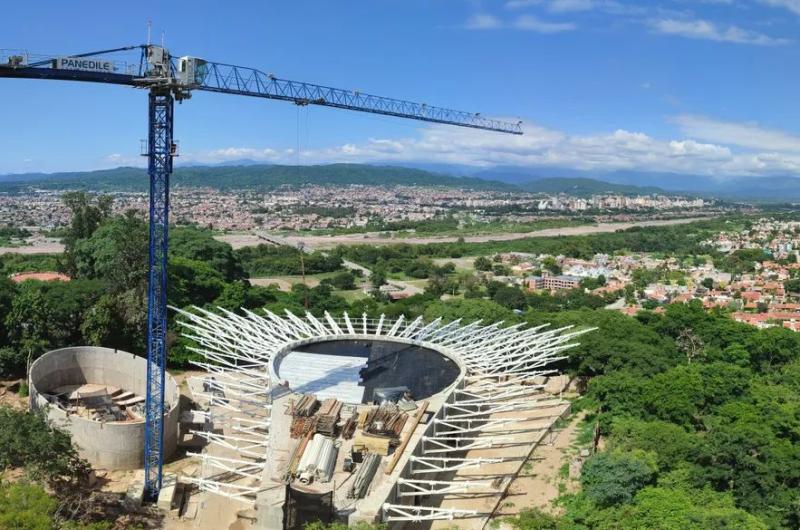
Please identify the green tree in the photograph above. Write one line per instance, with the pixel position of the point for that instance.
(535, 519)
(613, 478)
(194, 244)
(28, 441)
(378, 278)
(116, 252)
(29, 323)
(551, 265)
(344, 281)
(792, 286)
(510, 297)
(482, 263)
(85, 219)
(469, 310)
(26, 507)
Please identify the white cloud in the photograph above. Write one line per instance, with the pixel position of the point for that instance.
(483, 21)
(520, 4)
(704, 29)
(707, 147)
(531, 23)
(791, 5)
(567, 6)
(746, 135)
(523, 22)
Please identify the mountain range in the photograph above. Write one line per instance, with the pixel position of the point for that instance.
(252, 175)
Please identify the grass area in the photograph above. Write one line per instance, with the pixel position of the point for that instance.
(402, 276)
(312, 280)
(430, 228)
(479, 229)
(13, 242)
(463, 264)
(352, 296)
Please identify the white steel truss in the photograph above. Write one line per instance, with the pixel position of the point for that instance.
(243, 468)
(439, 464)
(452, 444)
(500, 362)
(414, 488)
(225, 489)
(402, 512)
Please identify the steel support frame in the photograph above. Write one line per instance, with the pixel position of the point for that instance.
(159, 168)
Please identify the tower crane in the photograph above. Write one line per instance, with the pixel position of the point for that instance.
(168, 79)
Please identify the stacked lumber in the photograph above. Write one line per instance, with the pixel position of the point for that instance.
(349, 427)
(328, 416)
(302, 425)
(363, 417)
(305, 407)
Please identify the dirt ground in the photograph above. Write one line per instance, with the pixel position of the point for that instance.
(376, 238)
(539, 483)
(36, 245)
(9, 394)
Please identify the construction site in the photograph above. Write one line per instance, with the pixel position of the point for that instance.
(346, 419)
(290, 418)
(97, 395)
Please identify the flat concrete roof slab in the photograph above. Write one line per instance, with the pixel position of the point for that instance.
(326, 376)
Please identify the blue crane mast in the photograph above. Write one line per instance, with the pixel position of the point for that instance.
(169, 79)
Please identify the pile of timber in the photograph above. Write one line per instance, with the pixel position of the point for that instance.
(386, 420)
(328, 416)
(302, 425)
(349, 427)
(305, 407)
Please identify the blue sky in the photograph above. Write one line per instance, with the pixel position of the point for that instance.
(690, 86)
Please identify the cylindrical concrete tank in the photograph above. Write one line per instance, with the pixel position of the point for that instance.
(57, 377)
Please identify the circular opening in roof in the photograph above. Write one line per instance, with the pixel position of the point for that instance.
(367, 370)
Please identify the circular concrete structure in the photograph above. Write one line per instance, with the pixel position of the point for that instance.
(364, 364)
(97, 395)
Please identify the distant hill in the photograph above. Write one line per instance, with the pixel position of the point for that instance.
(584, 187)
(251, 175)
(256, 177)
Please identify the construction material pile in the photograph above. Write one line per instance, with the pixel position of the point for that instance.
(318, 460)
(98, 402)
(364, 475)
(328, 416)
(386, 420)
(303, 418)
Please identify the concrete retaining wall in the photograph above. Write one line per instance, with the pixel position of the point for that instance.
(104, 445)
